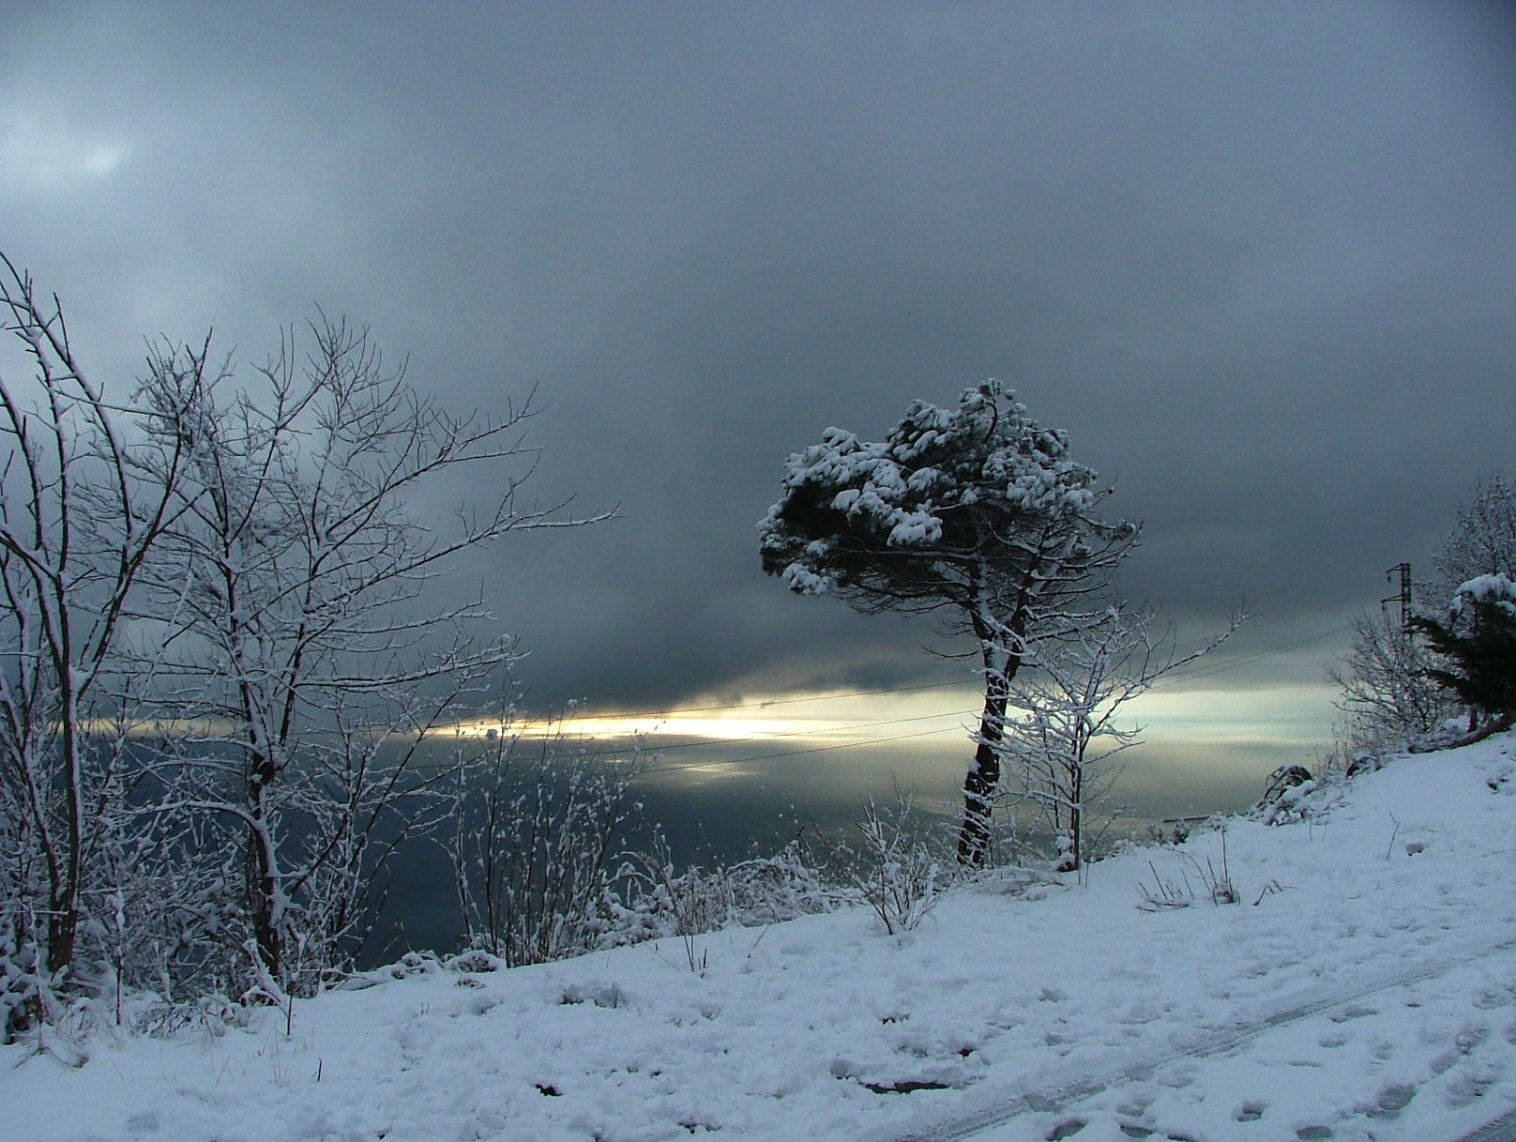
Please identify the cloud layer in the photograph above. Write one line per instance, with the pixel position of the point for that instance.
(1257, 259)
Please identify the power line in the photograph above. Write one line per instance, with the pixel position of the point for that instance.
(962, 682)
(1220, 668)
(1233, 664)
(1185, 676)
(1206, 669)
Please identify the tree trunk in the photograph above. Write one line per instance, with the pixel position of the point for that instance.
(63, 924)
(1071, 856)
(263, 886)
(261, 889)
(984, 773)
(62, 932)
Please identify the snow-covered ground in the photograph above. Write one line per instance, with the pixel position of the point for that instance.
(1361, 987)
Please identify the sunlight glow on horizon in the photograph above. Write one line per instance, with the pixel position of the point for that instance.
(1298, 714)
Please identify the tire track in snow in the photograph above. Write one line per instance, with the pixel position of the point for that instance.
(1057, 1096)
(1503, 1129)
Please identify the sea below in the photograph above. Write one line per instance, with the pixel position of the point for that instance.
(719, 803)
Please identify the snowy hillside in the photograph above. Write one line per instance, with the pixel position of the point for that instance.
(1360, 987)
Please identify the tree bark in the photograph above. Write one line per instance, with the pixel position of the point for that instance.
(984, 773)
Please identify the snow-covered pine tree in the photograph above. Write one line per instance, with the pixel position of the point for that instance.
(975, 513)
(1477, 645)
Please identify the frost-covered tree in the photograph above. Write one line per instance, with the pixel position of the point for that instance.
(307, 650)
(977, 514)
(1065, 733)
(79, 515)
(1482, 542)
(1394, 684)
(1387, 698)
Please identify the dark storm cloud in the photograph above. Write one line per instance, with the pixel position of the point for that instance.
(1257, 259)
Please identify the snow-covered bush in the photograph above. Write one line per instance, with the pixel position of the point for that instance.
(1293, 794)
(656, 900)
(899, 862)
(539, 828)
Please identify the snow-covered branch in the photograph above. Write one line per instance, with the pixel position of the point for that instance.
(1061, 744)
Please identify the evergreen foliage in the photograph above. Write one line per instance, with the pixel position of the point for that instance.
(976, 513)
(1477, 644)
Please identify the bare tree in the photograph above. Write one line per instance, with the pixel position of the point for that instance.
(1390, 691)
(80, 513)
(1060, 752)
(1482, 542)
(303, 644)
(1387, 697)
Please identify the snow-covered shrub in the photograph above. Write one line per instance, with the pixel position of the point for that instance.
(538, 829)
(768, 890)
(214, 1014)
(656, 900)
(21, 984)
(1290, 806)
(899, 864)
(1292, 794)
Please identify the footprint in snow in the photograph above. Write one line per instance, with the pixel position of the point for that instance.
(1354, 1012)
(1250, 1111)
(1392, 1100)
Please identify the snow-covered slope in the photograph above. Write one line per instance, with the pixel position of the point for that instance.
(1361, 987)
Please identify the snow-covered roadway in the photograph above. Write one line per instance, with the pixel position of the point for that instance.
(1343, 1062)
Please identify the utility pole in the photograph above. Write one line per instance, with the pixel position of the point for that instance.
(1404, 597)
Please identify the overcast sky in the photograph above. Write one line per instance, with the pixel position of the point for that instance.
(1259, 259)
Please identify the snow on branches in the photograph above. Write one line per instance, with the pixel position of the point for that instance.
(977, 513)
(943, 490)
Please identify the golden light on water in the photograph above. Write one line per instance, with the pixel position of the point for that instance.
(738, 726)
(821, 720)
(1281, 713)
